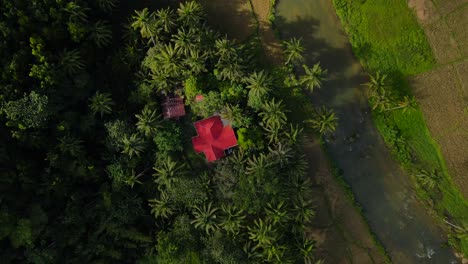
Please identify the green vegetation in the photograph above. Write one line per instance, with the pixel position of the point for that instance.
(91, 172)
(388, 41)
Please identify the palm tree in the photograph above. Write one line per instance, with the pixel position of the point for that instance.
(273, 114)
(258, 166)
(324, 121)
(190, 13)
(275, 253)
(303, 211)
(232, 219)
(225, 49)
(306, 249)
(167, 172)
(101, 103)
(195, 62)
(166, 19)
(161, 207)
(133, 145)
(252, 252)
(294, 135)
(70, 145)
(206, 218)
(234, 114)
(272, 132)
(230, 70)
(133, 179)
(377, 82)
(293, 50)
(276, 213)
(184, 40)
(259, 84)
(77, 13)
(145, 22)
(406, 104)
(148, 121)
(300, 186)
(262, 233)
(107, 5)
(101, 34)
(168, 59)
(428, 179)
(71, 61)
(313, 77)
(281, 154)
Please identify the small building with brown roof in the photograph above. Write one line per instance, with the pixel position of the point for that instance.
(173, 107)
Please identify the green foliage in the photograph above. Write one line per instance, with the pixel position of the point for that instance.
(133, 145)
(168, 139)
(313, 77)
(249, 139)
(148, 121)
(31, 111)
(210, 104)
(101, 103)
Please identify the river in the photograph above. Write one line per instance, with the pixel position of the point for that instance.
(400, 221)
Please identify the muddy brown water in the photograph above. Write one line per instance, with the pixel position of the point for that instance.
(402, 224)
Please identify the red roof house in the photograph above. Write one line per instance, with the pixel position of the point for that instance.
(173, 107)
(213, 138)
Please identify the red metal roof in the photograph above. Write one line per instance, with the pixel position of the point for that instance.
(173, 107)
(213, 138)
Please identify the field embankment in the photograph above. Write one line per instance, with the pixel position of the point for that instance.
(387, 38)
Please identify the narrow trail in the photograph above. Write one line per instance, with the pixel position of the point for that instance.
(271, 45)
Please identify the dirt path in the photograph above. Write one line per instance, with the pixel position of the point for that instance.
(271, 45)
(443, 92)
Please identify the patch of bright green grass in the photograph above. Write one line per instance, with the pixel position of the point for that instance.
(386, 38)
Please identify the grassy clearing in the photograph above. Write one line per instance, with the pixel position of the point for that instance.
(387, 38)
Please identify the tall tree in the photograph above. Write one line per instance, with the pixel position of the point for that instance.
(273, 114)
(148, 121)
(313, 77)
(324, 121)
(293, 50)
(133, 145)
(101, 103)
(206, 218)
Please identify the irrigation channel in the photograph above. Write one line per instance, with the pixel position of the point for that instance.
(401, 223)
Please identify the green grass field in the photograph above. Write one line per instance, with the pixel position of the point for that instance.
(387, 38)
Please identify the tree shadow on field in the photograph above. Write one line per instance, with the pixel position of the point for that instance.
(233, 18)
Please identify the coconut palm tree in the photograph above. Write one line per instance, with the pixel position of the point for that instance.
(275, 253)
(324, 121)
(133, 179)
(133, 145)
(167, 172)
(276, 213)
(206, 218)
(262, 233)
(406, 104)
(184, 40)
(258, 166)
(190, 13)
(300, 186)
(77, 12)
(168, 59)
(101, 34)
(303, 211)
(293, 50)
(166, 18)
(195, 62)
(161, 207)
(70, 145)
(306, 249)
(71, 61)
(313, 77)
(148, 121)
(281, 154)
(225, 49)
(232, 219)
(272, 132)
(377, 82)
(252, 252)
(230, 70)
(428, 179)
(145, 22)
(101, 103)
(273, 114)
(259, 84)
(234, 114)
(294, 134)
